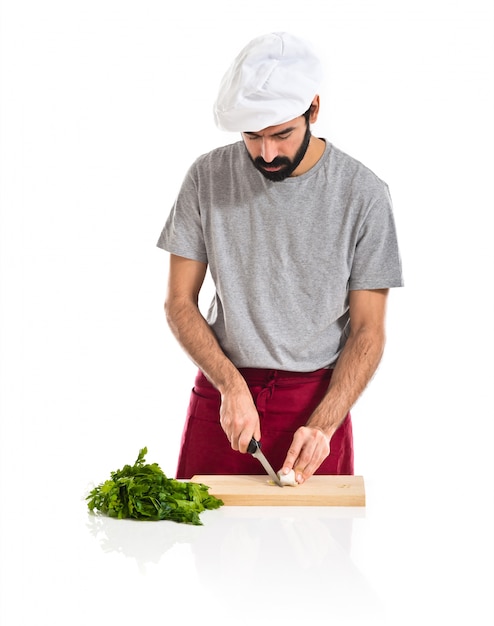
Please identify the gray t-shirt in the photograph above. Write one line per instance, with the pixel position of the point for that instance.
(283, 255)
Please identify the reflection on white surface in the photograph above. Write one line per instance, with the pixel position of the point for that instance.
(144, 542)
(278, 555)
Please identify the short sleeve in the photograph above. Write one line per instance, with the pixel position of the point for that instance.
(183, 233)
(377, 262)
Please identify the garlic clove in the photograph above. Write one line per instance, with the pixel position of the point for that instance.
(288, 480)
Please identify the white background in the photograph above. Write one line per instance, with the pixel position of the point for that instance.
(103, 107)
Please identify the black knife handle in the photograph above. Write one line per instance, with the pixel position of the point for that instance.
(253, 446)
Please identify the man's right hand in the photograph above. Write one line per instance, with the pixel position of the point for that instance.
(239, 417)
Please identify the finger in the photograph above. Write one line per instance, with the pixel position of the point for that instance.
(246, 437)
(235, 442)
(232, 438)
(304, 464)
(243, 441)
(291, 457)
(308, 467)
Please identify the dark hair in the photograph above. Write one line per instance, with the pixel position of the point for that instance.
(308, 112)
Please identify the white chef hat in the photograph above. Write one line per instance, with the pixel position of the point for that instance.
(272, 80)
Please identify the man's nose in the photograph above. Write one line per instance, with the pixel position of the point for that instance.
(269, 150)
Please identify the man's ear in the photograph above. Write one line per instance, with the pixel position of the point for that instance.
(314, 109)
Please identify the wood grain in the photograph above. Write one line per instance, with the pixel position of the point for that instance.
(257, 491)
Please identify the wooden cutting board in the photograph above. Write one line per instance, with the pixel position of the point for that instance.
(257, 491)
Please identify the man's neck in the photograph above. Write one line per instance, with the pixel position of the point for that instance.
(314, 153)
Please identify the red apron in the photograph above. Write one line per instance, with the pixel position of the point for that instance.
(284, 400)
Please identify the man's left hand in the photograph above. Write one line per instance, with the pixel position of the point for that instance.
(310, 446)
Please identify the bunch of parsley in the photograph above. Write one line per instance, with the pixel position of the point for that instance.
(143, 492)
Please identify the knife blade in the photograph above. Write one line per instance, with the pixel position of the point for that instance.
(254, 448)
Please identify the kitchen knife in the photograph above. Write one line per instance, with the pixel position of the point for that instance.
(255, 449)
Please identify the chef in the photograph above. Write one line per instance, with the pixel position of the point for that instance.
(301, 245)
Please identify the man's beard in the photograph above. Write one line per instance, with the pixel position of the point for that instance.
(288, 165)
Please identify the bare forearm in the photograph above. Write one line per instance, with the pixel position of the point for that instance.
(197, 339)
(355, 367)
(238, 415)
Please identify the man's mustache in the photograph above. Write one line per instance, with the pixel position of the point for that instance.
(276, 162)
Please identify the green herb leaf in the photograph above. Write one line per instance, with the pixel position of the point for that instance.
(143, 492)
